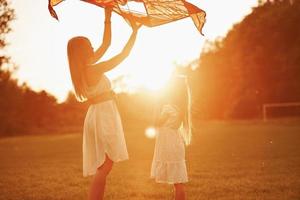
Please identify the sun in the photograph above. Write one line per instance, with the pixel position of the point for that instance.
(150, 76)
(147, 73)
(153, 80)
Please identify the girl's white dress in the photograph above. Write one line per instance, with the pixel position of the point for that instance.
(102, 131)
(168, 165)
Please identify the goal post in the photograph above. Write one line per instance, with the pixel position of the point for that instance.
(293, 108)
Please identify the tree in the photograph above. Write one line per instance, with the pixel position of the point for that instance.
(21, 108)
(257, 62)
(6, 82)
(6, 16)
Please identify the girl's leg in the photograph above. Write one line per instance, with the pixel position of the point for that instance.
(179, 191)
(98, 184)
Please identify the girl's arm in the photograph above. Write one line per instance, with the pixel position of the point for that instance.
(156, 115)
(161, 117)
(106, 41)
(161, 120)
(105, 66)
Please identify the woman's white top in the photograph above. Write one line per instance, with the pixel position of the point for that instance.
(168, 165)
(102, 132)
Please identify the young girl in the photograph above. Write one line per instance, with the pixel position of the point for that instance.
(103, 137)
(173, 130)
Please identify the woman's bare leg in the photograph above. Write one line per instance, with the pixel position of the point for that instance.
(179, 191)
(98, 184)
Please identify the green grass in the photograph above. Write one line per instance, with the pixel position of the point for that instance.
(225, 161)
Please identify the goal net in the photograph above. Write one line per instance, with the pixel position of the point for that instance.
(281, 110)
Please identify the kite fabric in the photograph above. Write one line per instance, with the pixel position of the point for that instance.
(148, 12)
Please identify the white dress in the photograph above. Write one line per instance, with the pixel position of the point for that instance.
(102, 131)
(168, 165)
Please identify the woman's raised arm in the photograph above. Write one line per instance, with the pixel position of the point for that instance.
(105, 66)
(106, 41)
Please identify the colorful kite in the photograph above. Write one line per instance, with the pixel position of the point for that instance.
(149, 12)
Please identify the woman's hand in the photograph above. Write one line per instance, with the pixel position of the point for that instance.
(108, 11)
(134, 25)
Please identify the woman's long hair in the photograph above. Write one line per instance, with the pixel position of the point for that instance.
(79, 50)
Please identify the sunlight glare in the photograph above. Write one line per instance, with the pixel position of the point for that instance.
(152, 75)
(150, 132)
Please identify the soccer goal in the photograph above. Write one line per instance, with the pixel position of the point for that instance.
(281, 110)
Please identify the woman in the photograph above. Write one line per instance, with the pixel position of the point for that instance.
(103, 137)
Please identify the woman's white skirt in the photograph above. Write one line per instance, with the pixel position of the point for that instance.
(168, 165)
(102, 135)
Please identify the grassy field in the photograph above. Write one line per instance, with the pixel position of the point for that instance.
(225, 161)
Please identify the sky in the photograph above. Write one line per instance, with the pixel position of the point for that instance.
(37, 44)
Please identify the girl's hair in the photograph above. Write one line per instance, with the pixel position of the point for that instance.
(79, 51)
(186, 128)
(180, 95)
